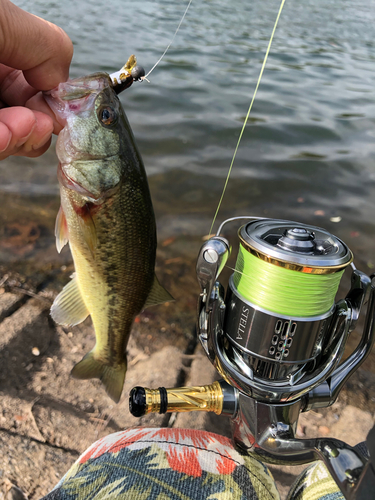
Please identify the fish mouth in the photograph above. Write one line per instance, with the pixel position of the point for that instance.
(76, 96)
(76, 101)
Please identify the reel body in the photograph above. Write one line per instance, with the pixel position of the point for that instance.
(277, 337)
(267, 354)
(282, 364)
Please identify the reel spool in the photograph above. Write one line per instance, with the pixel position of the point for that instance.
(280, 299)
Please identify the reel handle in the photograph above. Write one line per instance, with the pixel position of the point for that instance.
(218, 397)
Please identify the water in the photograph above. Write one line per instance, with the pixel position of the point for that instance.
(308, 152)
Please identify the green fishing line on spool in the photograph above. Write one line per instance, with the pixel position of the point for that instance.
(284, 291)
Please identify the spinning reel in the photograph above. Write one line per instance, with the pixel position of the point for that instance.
(276, 338)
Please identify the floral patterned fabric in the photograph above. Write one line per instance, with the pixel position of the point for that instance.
(180, 464)
(165, 464)
(315, 483)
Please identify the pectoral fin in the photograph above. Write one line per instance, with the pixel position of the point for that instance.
(68, 308)
(158, 294)
(61, 230)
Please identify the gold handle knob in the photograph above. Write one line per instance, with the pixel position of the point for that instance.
(198, 398)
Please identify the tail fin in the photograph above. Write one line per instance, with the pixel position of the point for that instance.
(111, 377)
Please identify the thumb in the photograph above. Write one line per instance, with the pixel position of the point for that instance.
(40, 49)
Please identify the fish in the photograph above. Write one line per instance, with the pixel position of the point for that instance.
(107, 217)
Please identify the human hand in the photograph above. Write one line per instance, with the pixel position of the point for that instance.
(34, 55)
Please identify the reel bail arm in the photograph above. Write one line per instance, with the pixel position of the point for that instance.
(211, 261)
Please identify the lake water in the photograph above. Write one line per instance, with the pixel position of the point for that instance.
(308, 152)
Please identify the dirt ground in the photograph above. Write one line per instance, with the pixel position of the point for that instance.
(47, 418)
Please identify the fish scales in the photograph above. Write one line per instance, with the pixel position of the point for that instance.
(107, 216)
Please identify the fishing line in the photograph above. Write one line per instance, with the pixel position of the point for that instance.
(284, 291)
(248, 113)
(170, 43)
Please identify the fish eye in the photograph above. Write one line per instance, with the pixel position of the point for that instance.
(107, 115)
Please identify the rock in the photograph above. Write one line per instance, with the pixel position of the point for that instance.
(9, 491)
(84, 407)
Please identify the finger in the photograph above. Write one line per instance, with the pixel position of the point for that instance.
(38, 103)
(20, 122)
(17, 124)
(34, 152)
(24, 132)
(40, 49)
(14, 89)
(40, 134)
(5, 137)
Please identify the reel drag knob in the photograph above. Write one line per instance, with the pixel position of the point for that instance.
(298, 239)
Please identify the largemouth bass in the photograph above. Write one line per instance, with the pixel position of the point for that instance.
(107, 216)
